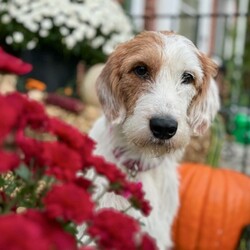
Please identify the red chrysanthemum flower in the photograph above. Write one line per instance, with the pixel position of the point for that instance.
(119, 184)
(113, 230)
(8, 161)
(52, 231)
(12, 64)
(83, 182)
(18, 233)
(34, 115)
(108, 170)
(62, 161)
(30, 113)
(87, 248)
(17, 101)
(147, 243)
(32, 150)
(8, 117)
(69, 202)
(73, 138)
(134, 193)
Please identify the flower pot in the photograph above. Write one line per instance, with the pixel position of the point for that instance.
(50, 67)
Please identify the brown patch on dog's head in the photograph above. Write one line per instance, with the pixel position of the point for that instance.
(118, 87)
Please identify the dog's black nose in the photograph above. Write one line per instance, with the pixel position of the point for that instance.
(163, 127)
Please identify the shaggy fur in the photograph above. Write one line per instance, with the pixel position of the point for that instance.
(129, 101)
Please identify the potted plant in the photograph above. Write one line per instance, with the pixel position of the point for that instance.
(70, 30)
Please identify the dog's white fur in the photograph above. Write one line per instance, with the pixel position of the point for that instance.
(129, 102)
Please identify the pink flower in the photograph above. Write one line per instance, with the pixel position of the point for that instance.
(69, 202)
(8, 161)
(114, 230)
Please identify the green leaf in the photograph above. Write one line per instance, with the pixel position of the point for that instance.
(2, 182)
(24, 173)
(70, 228)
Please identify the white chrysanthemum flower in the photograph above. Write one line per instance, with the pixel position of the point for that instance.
(37, 16)
(13, 11)
(46, 24)
(101, 22)
(3, 7)
(85, 15)
(64, 31)
(6, 19)
(23, 2)
(33, 27)
(70, 42)
(72, 23)
(78, 35)
(106, 29)
(108, 48)
(90, 33)
(31, 45)
(9, 40)
(24, 8)
(95, 19)
(98, 42)
(43, 33)
(60, 19)
(18, 37)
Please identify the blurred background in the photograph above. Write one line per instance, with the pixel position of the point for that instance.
(67, 42)
(54, 50)
(220, 28)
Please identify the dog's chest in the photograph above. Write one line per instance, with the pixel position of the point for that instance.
(160, 185)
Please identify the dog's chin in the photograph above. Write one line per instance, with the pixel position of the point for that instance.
(158, 148)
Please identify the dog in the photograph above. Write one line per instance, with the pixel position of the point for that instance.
(156, 90)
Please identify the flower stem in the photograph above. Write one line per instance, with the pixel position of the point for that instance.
(104, 191)
(127, 209)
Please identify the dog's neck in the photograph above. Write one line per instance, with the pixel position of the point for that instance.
(112, 144)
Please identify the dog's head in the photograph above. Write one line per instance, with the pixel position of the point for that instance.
(159, 89)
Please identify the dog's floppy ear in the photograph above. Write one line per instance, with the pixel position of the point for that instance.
(108, 91)
(206, 103)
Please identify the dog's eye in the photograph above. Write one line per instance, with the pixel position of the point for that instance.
(187, 78)
(141, 71)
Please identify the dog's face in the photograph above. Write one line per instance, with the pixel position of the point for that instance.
(158, 88)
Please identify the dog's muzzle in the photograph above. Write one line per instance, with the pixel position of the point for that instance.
(163, 128)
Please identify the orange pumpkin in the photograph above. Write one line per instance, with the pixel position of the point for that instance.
(215, 207)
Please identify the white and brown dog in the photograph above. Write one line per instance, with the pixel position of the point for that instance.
(156, 90)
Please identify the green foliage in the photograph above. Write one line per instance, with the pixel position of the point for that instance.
(244, 243)
(217, 139)
(23, 188)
